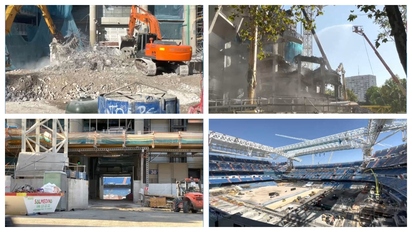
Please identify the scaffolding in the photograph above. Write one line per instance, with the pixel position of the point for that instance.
(199, 29)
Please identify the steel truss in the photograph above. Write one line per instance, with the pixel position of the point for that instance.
(362, 138)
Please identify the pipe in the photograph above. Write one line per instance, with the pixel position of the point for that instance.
(92, 25)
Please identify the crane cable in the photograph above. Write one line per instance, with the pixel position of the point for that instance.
(366, 49)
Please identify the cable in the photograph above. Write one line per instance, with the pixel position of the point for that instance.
(364, 43)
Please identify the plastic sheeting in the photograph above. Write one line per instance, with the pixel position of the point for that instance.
(34, 51)
(292, 49)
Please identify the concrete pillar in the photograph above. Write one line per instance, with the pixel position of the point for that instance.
(75, 125)
(192, 28)
(92, 25)
(186, 26)
(139, 126)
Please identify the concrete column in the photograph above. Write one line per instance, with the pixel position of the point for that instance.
(186, 26)
(75, 125)
(92, 25)
(139, 126)
(192, 28)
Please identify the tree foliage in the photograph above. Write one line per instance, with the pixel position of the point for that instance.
(351, 95)
(272, 21)
(387, 95)
(392, 22)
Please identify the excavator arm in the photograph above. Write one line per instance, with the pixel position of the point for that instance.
(13, 10)
(146, 18)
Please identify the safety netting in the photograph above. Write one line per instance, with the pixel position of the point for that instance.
(153, 139)
(29, 51)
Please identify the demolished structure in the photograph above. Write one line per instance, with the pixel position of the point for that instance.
(286, 83)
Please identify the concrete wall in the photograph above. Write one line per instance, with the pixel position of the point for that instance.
(78, 194)
(137, 184)
(170, 172)
(35, 183)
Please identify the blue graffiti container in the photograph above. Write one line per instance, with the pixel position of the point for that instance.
(138, 104)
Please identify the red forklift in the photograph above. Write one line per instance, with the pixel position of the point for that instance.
(189, 196)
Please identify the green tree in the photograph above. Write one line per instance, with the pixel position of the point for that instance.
(351, 95)
(388, 95)
(393, 96)
(392, 21)
(270, 22)
(373, 96)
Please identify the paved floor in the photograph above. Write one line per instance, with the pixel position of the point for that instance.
(112, 214)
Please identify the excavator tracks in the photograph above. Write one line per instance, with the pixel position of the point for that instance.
(146, 66)
(182, 70)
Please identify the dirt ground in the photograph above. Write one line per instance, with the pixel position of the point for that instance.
(260, 196)
(112, 214)
(49, 89)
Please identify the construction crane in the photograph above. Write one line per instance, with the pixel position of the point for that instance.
(359, 30)
(342, 71)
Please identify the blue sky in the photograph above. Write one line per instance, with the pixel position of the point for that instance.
(341, 45)
(263, 131)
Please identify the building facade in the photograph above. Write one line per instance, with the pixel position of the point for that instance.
(175, 152)
(360, 84)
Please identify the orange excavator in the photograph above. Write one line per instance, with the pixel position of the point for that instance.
(148, 48)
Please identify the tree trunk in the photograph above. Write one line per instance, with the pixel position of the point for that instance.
(398, 32)
(251, 75)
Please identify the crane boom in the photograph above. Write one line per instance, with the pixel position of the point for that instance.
(359, 30)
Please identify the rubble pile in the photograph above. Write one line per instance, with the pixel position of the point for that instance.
(92, 73)
(100, 58)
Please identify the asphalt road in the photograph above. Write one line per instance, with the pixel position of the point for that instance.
(111, 214)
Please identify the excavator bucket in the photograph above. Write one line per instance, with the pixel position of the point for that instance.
(126, 45)
(126, 41)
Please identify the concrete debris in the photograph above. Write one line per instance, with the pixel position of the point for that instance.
(95, 72)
